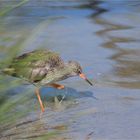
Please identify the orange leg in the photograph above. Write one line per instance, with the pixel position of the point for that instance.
(39, 99)
(57, 86)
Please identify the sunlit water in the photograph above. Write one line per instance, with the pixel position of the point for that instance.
(104, 38)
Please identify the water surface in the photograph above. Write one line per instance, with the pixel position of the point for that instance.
(104, 37)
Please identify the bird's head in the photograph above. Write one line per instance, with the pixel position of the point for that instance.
(76, 70)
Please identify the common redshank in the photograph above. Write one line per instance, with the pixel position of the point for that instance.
(43, 68)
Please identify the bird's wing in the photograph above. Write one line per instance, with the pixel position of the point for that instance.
(35, 65)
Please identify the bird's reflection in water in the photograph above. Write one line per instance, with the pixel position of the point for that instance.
(70, 93)
(65, 98)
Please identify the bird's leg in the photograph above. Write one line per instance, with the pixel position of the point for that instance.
(57, 86)
(39, 99)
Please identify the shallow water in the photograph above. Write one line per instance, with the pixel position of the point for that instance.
(104, 37)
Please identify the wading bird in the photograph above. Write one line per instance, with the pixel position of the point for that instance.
(43, 68)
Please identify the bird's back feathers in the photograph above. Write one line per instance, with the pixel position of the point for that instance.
(34, 65)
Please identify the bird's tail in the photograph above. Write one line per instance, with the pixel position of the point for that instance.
(4, 70)
(8, 71)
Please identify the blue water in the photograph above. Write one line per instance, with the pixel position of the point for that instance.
(103, 36)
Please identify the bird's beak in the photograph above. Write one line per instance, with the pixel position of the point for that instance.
(85, 78)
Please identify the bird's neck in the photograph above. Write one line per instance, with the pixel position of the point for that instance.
(64, 71)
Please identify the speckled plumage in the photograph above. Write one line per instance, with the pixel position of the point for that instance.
(35, 65)
(41, 67)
